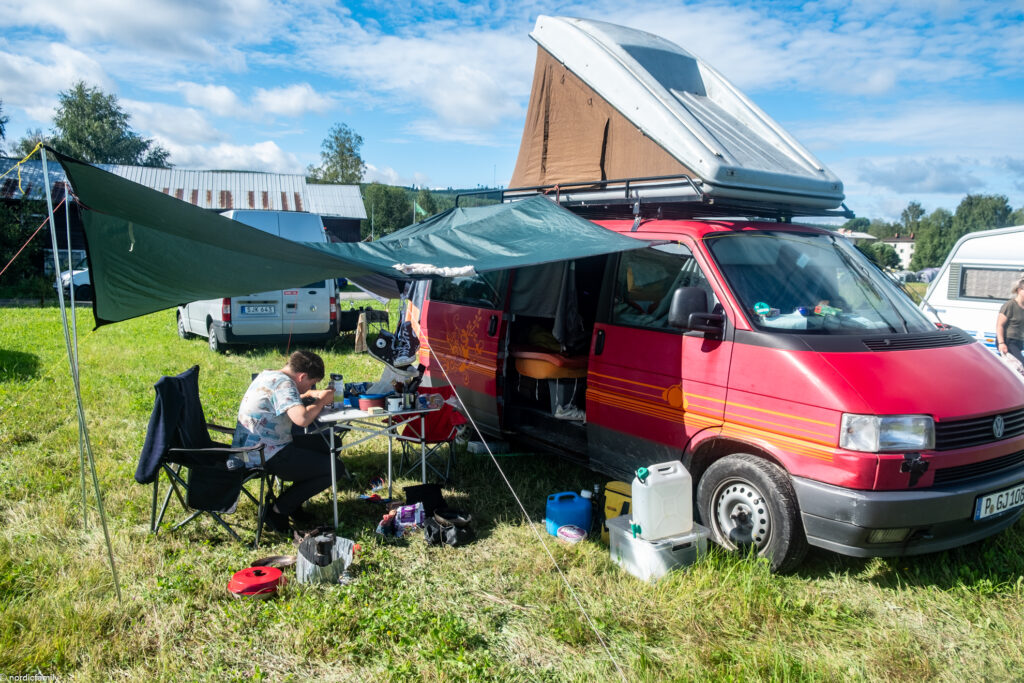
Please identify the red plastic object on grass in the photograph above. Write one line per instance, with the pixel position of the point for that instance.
(259, 582)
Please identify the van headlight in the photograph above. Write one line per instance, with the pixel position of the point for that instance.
(878, 433)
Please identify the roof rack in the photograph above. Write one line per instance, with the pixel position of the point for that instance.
(670, 196)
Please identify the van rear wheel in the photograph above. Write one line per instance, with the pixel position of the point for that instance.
(212, 337)
(181, 328)
(749, 503)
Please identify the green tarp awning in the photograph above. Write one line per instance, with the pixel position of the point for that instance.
(148, 251)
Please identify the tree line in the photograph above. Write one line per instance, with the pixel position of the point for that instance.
(935, 233)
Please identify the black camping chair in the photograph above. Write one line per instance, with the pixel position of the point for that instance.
(215, 475)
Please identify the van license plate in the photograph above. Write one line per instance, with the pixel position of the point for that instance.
(1000, 501)
(259, 310)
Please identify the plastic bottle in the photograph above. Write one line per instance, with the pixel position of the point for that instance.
(662, 501)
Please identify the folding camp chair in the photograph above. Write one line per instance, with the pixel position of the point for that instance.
(206, 477)
(440, 428)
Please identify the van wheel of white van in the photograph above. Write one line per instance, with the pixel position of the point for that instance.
(212, 336)
(181, 328)
(749, 503)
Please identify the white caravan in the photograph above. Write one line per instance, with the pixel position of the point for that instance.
(976, 280)
(301, 314)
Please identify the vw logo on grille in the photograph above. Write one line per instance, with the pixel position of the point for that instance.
(998, 427)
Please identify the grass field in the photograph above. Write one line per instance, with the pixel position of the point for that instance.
(496, 609)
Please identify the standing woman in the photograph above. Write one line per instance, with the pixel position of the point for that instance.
(1010, 324)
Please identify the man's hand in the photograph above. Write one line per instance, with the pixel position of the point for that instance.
(323, 396)
(303, 416)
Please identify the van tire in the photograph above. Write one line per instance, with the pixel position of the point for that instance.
(83, 293)
(181, 328)
(747, 501)
(212, 339)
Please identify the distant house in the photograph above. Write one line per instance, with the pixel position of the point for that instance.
(904, 247)
(340, 206)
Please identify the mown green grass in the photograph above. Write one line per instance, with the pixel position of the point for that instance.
(496, 609)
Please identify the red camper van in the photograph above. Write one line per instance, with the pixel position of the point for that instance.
(810, 399)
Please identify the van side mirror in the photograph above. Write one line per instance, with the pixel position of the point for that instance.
(689, 311)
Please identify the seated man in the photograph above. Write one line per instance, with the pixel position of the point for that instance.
(271, 405)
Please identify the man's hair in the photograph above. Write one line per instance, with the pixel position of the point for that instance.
(307, 362)
(1019, 286)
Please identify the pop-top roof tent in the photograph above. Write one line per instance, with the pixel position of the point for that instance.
(610, 102)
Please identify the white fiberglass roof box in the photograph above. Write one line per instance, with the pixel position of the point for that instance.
(649, 90)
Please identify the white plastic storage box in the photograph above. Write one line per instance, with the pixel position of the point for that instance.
(649, 560)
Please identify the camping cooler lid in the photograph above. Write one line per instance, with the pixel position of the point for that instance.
(256, 581)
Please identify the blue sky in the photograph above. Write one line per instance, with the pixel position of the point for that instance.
(908, 100)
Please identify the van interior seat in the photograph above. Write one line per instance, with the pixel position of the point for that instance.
(539, 363)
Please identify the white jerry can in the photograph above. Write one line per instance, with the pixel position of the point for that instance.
(662, 501)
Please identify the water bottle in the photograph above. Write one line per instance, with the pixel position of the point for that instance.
(337, 384)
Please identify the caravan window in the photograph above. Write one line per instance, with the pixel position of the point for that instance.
(481, 290)
(646, 279)
(988, 283)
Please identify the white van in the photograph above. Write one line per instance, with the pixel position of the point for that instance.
(301, 314)
(976, 280)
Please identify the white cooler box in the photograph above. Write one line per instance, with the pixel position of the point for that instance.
(649, 560)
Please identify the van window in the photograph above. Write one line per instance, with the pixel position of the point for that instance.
(315, 285)
(987, 283)
(480, 289)
(811, 283)
(646, 279)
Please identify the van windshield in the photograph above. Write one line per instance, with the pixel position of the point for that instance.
(811, 283)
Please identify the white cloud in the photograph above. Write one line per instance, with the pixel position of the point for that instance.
(292, 100)
(470, 79)
(32, 83)
(218, 99)
(190, 30)
(976, 128)
(181, 124)
(923, 176)
(385, 175)
(261, 156)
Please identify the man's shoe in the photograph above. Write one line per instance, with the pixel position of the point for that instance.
(276, 521)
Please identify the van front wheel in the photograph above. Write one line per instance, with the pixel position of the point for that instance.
(749, 503)
(212, 336)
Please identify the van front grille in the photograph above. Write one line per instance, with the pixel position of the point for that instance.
(911, 342)
(977, 431)
(950, 475)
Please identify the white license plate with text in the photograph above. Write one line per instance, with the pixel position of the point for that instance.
(1000, 501)
(259, 310)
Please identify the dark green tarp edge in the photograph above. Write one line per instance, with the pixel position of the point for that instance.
(148, 251)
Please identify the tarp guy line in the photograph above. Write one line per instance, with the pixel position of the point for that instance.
(533, 526)
(72, 362)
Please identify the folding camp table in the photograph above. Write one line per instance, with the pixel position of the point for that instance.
(370, 425)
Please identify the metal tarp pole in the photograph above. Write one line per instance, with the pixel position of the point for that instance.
(73, 364)
(74, 335)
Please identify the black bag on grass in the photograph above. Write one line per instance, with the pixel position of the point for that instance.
(448, 527)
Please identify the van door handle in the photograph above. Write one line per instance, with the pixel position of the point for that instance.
(599, 343)
(492, 326)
